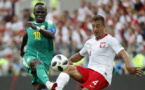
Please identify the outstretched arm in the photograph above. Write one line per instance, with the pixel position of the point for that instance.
(131, 69)
(24, 42)
(75, 58)
(45, 33)
(78, 56)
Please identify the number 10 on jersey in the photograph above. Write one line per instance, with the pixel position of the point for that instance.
(37, 35)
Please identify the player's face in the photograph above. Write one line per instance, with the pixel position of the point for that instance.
(40, 13)
(98, 28)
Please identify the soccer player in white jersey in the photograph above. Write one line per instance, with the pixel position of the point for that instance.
(102, 50)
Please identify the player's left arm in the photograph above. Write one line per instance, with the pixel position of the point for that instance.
(24, 42)
(75, 58)
(78, 56)
(46, 33)
(118, 49)
(133, 70)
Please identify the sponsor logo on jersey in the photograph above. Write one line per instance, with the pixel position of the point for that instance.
(42, 27)
(102, 44)
(45, 75)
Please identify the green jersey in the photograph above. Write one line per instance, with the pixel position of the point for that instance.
(37, 44)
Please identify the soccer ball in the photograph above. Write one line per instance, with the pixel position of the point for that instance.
(59, 63)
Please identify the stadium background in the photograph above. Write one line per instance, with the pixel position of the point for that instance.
(125, 20)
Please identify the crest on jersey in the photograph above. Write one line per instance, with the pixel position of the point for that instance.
(102, 44)
(42, 27)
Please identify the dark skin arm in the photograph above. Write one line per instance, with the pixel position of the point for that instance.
(24, 42)
(131, 69)
(45, 33)
(75, 58)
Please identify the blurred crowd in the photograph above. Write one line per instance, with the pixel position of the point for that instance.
(125, 20)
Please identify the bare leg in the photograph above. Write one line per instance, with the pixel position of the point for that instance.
(73, 72)
(85, 88)
(38, 86)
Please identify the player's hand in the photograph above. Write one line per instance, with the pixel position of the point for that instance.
(22, 53)
(135, 70)
(30, 25)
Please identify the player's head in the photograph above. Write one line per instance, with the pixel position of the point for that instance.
(98, 25)
(40, 12)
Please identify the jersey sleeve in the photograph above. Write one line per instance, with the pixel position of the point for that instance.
(51, 26)
(115, 45)
(83, 51)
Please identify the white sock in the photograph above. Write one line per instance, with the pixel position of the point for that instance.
(62, 79)
(48, 84)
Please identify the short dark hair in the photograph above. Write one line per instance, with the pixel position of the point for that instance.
(99, 17)
(39, 4)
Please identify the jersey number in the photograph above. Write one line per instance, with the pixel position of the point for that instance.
(37, 35)
(95, 82)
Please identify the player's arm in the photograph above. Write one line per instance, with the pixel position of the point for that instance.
(75, 58)
(24, 42)
(78, 56)
(118, 49)
(46, 33)
(131, 69)
(125, 57)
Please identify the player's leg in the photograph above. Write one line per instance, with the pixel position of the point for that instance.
(91, 79)
(35, 86)
(38, 86)
(38, 68)
(63, 77)
(85, 88)
(73, 72)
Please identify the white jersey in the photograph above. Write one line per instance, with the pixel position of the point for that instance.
(102, 53)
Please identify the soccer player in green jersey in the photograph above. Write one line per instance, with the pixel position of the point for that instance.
(38, 39)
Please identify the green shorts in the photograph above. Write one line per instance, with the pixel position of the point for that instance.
(26, 65)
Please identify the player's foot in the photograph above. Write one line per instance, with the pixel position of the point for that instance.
(52, 86)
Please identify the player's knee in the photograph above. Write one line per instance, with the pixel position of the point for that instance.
(70, 70)
(33, 64)
(38, 67)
